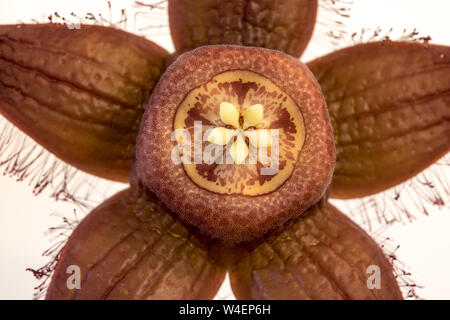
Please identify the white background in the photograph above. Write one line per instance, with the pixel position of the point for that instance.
(24, 219)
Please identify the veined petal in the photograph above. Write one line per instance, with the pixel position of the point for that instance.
(320, 255)
(131, 247)
(79, 93)
(274, 24)
(221, 135)
(389, 104)
(253, 115)
(229, 114)
(239, 150)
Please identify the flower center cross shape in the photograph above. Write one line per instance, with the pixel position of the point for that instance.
(243, 127)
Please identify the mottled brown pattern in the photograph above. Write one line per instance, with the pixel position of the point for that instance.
(79, 93)
(205, 108)
(131, 247)
(390, 102)
(320, 255)
(235, 217)
(274, 24)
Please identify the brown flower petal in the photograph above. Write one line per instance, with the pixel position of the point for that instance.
(130, 247)
(274, 24)
(79, 93)
(390, 104)
(320, 255)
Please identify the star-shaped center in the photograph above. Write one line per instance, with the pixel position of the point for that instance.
(244, 127)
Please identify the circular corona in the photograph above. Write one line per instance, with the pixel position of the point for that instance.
(236, 140)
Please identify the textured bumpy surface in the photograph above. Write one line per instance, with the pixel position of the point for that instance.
(320, 255)
(273, 24)
(389, 103)
(131, 248)
(235, 217)
(79, 93)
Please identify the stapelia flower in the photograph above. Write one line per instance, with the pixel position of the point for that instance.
(108, 102)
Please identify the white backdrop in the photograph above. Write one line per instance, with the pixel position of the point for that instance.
(24, 218)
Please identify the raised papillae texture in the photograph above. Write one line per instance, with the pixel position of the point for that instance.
(320, 255)
(274, 24)
(389, 105)
(79, 93)
(245, 99)
(130, 247)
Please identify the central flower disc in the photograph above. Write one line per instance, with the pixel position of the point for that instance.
(236, 140)
(237, 94)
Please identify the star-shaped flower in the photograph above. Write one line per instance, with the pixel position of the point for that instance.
(106, 102)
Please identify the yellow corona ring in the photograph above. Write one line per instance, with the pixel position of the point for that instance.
(251, 125)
